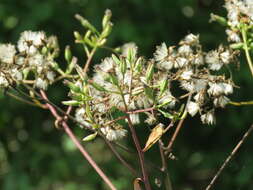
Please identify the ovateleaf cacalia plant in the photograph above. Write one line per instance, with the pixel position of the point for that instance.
(109, 97)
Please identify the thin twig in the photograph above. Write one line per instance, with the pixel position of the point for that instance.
(232, 154)
(128, 166)
(241, 103)
(145, 178)
(141, 110)
(77, 143)
(179, 126)
(173, 138)
(22, 99)
(88, 62)
(164, 168)
(140, 154)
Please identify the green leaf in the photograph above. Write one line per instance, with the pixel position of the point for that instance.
(116, 59)
(150, 72)
(72, 86)
(113, 79)
(166, 114)
(163, 86)
(149, 92)
(98, 87)
(71, 103)
(90, 137)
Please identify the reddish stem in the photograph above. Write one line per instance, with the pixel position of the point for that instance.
(77, 143)
(140, 154)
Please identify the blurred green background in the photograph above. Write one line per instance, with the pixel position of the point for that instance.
(36, 156)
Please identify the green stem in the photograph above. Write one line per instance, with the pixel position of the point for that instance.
(22, 100)
(88, 62)
(246, 49)
(247, 103)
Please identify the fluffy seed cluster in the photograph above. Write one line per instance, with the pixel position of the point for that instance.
(195, 70)
(32, 57)
(128, 83)
(239, 11)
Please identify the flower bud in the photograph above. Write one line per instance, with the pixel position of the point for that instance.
(85, 23)
(107, 17)
(68, 54)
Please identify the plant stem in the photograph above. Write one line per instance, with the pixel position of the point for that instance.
(23, 100)
(140, 154)
(173, 138)
(241, 103)
(141, 110)
(232, 154)
(246, 49)
(88, 62)
(77, 143)
(137, 145)
(164, 168)
(128, 166)
(180, 124)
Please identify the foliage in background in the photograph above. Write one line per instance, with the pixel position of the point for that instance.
(33, 155)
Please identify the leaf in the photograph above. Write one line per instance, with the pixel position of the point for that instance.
(71, 103)
(113, 79)
(150, 71)
(163, 86)
(72, 86)
(98, 87)
(154, 136)
(149, 92)
(90, 137)
(116, 59)
(166, 114)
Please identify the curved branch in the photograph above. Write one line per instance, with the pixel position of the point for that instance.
(77, 143)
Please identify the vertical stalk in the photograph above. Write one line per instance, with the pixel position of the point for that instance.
(246, 49)
(140, 154)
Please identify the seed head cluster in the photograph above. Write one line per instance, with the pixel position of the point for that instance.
(238, 11)
(32, 58)
(127, 83)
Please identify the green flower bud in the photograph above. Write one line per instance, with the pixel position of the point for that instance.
(107, 30)
(219, 19)
(85, 23)
(77, 35)
(68, 54)
(107, 17)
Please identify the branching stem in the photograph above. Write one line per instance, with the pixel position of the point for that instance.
(77, 143)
